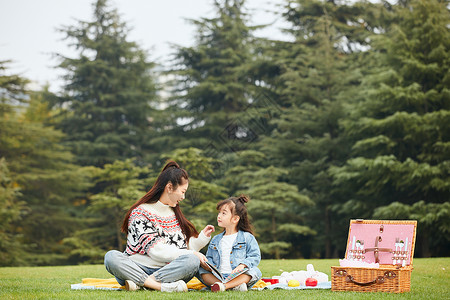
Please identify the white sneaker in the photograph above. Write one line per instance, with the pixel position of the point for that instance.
(131, 286)
(241, 288)
(218, 287)
(177, 286)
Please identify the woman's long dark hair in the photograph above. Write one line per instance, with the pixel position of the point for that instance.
(238, 208)
(170, 173)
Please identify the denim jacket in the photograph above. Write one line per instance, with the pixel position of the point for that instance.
(245, 250)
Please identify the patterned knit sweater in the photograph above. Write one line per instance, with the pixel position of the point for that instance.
(155, 238)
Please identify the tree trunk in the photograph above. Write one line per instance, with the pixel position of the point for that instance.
(274, 235)
(118, 231)
(425, 246)
(119, 241)
(327, 233)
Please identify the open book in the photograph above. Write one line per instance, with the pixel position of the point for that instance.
(219, 275)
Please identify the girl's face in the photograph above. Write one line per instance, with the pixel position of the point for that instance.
(178, 194)
(225, 218)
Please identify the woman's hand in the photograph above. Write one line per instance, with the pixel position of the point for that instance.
(203, 260)
(208, 230)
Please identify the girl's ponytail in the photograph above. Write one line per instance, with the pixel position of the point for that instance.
(244, 199)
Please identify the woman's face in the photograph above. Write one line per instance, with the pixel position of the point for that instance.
(175, 196)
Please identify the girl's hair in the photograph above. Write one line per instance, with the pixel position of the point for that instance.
(170, 173)
(238, 208)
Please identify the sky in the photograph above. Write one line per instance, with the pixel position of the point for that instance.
(29, 30)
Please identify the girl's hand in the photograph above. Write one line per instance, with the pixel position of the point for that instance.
(208, 230)
(239, 268)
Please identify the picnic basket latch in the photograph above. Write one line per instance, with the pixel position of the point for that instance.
(376, 250)
(378, 280)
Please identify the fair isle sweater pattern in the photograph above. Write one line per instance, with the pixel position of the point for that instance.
(147, 229)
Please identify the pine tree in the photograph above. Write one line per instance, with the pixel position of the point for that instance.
(317, 73)
(11, 248)
(42, 169)
(12, 96)
(109, 89)
(401, 127)
(121, 184)
(215, 83)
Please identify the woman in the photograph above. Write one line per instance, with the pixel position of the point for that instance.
(162, 250)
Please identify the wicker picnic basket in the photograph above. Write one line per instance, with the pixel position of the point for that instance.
(388, 243)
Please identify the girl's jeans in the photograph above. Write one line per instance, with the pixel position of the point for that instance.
(123, 268)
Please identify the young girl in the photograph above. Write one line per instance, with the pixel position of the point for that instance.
(234, 249)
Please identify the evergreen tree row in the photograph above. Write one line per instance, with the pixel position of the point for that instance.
(348, 118)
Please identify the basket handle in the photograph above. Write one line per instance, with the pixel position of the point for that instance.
(378, 280)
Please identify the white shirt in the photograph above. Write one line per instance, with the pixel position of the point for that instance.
(226, 243)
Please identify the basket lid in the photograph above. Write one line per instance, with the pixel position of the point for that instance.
(381, 241)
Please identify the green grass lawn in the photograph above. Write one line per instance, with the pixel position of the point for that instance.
(430, 280)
